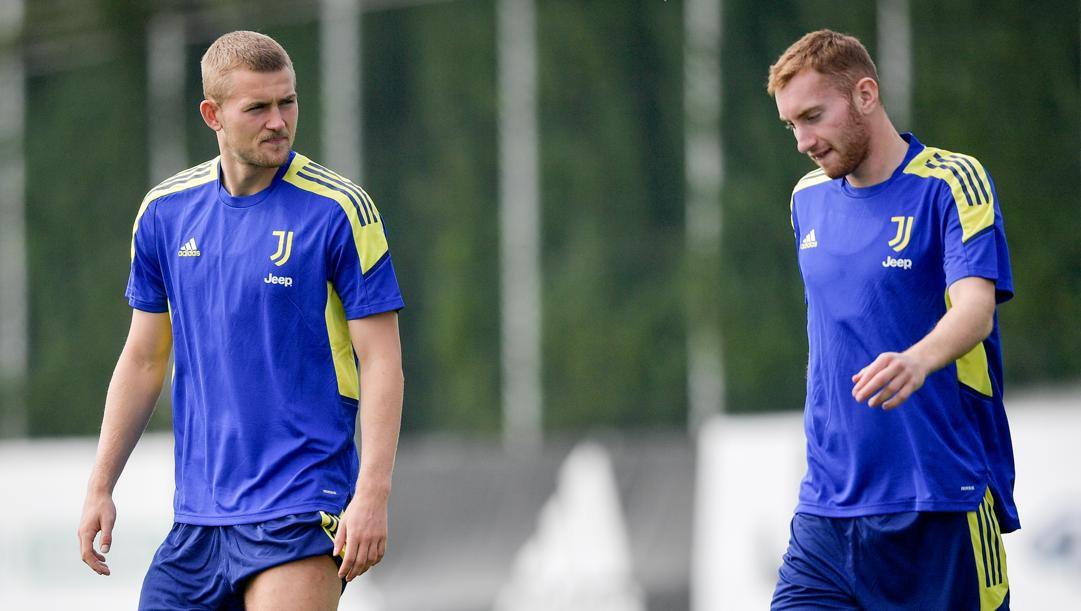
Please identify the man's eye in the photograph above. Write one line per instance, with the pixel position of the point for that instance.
(789, 126)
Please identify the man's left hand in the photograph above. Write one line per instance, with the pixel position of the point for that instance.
(889, 380)
(362, 534)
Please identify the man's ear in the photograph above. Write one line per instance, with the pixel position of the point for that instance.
(210, 111)
(865, 96)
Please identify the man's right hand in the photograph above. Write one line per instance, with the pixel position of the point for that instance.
(99, 515)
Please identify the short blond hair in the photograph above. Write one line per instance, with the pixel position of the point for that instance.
(840, 57)
(241, 49)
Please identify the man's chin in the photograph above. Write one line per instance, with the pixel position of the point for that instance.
(833, 171)
(268, 160)
(837, 170)
(279, 160)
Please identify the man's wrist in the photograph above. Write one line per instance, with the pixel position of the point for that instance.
(99, 490)
(373, 487)
(923, 363)
(100, 483)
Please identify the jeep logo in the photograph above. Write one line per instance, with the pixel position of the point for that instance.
(282, 280)
(902, 263)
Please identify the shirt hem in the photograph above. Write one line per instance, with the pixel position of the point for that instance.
(250, 518)
(885, 508)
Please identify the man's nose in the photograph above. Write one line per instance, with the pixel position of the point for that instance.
(275, 121)
(805, 140)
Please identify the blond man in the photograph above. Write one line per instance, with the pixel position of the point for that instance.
(903, 255)
(269, 279)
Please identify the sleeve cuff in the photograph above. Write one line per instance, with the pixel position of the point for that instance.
(364, 311)
(1003, 290)
(153, 307)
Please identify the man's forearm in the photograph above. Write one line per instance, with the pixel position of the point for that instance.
(964, 325)
(381, 390)
(133, 392)
(892, 377)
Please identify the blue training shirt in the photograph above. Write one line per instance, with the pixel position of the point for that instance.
(876, 263)
(258, 289)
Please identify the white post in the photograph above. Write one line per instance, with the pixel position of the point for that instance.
(13, 277)
(519, 224)
(339, 57)
(705, 176)
(165, 36)
(895, 60)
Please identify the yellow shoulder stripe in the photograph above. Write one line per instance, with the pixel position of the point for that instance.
(368, 236)
(192, 177)
(810, 179)
(968, 183)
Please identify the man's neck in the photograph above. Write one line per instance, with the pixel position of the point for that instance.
(887, 151)
(241, 179)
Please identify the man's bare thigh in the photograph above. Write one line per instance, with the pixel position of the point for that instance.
(309, 584)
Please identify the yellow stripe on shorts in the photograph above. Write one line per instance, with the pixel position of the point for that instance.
(330, 527)
(989, 554)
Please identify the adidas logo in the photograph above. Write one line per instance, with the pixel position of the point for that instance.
(189, 249)
(809, 241)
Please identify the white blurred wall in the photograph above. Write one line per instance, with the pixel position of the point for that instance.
(44, 483)
(749, 469)
(746, 482)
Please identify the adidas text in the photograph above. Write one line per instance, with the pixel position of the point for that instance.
(282, 280)
(902, 263)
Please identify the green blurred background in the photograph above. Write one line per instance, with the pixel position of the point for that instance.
(995, 79)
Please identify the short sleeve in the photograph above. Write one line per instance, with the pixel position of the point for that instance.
(974, 240)
(360, 267)
(146, 284)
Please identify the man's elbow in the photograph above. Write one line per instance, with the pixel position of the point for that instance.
(387, 366)
(144, 360)
(988, 325)
(974, 299)
(984, 318)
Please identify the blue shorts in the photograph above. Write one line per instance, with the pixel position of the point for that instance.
(924, 560)
(207, 567)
